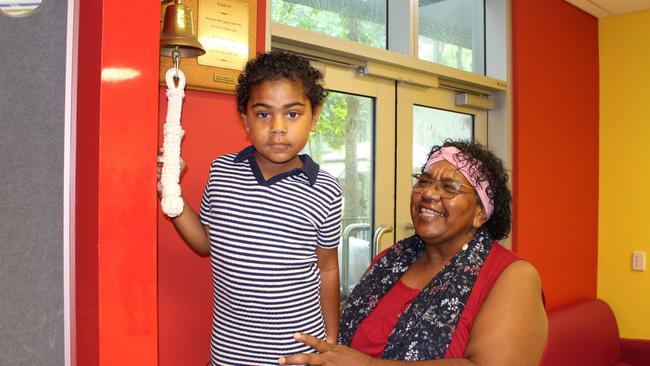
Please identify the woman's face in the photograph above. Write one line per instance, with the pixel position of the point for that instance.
(447, 221)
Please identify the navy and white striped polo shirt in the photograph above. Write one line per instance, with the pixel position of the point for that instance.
(263, 238)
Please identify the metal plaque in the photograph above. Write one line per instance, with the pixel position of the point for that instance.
(223, 32)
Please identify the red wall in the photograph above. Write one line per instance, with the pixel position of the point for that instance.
(555, 127)
(212, 127)
(115, 237)
(118, 257)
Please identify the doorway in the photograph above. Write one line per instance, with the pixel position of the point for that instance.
(372, 135)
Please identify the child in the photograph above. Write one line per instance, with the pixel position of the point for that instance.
(270, 219)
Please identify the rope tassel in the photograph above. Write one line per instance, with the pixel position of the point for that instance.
(171, 202)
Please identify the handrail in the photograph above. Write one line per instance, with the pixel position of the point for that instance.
(345, 255)
(379, 231)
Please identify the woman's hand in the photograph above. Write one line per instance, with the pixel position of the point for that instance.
(327, 354)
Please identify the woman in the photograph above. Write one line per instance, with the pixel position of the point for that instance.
(450, 294)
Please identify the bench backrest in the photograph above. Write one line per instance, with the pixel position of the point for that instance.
(582, 334)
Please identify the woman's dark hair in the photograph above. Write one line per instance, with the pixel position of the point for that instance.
(276, 65)
(485, 166)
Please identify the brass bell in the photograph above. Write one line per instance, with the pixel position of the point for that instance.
(177, 35)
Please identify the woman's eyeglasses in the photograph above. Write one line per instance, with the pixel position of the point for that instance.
(446, 188)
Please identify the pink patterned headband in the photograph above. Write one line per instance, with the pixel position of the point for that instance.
(449, 154)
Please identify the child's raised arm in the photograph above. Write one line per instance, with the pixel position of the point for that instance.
(187, 224)
(193, 232)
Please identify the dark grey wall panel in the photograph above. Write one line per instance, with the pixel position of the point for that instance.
(32, 92)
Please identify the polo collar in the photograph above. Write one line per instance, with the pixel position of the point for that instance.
(309, 166)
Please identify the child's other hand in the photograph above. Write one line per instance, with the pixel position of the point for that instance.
(159, 172)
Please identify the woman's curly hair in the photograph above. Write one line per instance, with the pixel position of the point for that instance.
(276, 65)
(485, 166)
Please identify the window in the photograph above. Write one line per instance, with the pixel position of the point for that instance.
(342, 146)
(432, 126)
(354, 20)
(449, 32)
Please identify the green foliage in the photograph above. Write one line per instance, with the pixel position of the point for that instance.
(331, 23)
(331, 125)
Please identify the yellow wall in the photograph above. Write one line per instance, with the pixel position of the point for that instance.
(624, 211)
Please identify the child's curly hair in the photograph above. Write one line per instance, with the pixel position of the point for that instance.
(277, 65)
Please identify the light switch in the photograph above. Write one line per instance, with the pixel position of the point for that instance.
(638, 261)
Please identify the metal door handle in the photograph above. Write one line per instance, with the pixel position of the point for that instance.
(345, 255)
(379, 232)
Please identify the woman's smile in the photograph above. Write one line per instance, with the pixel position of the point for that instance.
(429, 213)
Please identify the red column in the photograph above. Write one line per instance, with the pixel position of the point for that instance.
(116, 278)
(555, 136)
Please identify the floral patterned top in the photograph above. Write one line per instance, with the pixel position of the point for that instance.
(425, 329)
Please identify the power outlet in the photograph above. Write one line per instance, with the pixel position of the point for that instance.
(638, 261)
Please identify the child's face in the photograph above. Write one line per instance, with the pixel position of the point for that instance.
(278, 118)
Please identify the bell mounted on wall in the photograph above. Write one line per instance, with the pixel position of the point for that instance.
(221, 33)
(177, 39)
(177, 35)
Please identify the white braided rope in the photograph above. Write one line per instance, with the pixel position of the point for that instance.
(171, 202)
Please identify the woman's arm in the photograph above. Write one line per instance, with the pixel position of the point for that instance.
(510, 329)
(328, 264)
(512, 320)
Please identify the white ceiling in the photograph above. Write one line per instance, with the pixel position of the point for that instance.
(605, 8)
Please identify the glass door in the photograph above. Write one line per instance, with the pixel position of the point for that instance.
(372, 135)
(426, 117)
(377, 126)
(355, 142)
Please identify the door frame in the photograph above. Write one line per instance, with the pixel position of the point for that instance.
(346, 79)
(409, 95)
